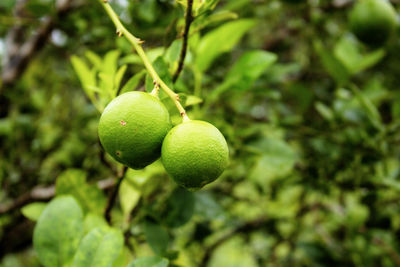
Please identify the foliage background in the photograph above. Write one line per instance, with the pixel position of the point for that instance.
(312, 127)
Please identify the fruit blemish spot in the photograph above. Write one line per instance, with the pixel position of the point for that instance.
(118, 153)
(123, 123)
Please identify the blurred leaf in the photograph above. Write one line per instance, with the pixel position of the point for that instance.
(232, 253)
(206, 6)
(133, 82)
(110, 62)
(369, 107)
(58, 231)
(93, 221)
(118, 78)
(207, 207)
(333, 66)
(86, 76)
(347, 51)
(180, 207)
(162, 69)
(324, 111)
(276, 160)
(33, 211)
(154, 261)
(129, 197)
(215, 17)
(247, 69)
(192, 100)
(156, 236)
(94, 59)
(211, 45)
(100, 248)
(73, 182)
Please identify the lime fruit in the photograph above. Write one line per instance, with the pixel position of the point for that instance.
(194, 153)
(132, 128)
(373, 21)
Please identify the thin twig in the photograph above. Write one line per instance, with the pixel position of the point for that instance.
(113, 195)
(188, 22)
(137, 44)
(41, 193)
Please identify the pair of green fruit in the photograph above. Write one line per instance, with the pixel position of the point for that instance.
(135, 128)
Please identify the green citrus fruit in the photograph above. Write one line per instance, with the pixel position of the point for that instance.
(194, 153)
(132, 128)
(373, 21)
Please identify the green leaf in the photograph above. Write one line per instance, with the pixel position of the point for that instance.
(58, 231)
(246, 71)
(233, 253)
(324, 111)
(206, 6)
(110, 62)
(154, 261)
(173, 53)
(93, 221)
(348, 52)
(332, 65)
(161, 68)
(94, 59)
(73, 182)
(85, 75)
(99, 248)
(34, 210)
(129, 197)
(118, 78)
(369, 107)
(156, 236)
(276, 160)
(180, 207)
(211, 45)
(214, 18)
(192, 100)
(133, 82)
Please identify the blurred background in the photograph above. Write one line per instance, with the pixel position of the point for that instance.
(311, 116)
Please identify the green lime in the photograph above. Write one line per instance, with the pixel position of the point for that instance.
(373, 21)
(132, 128)
(194, 153)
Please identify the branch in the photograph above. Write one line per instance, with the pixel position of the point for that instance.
(188, 22)
(41, 193)
(19, 53)
(136, 43)
(113, 195)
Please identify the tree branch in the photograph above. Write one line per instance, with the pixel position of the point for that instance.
(19, 52)
(113, 195)
(41, 193)
(188, 22)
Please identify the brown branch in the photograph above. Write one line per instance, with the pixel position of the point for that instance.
(41, 193)
(188, 22)
(113, 195)
(19, 52)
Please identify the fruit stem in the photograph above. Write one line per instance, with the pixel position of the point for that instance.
(136, 43)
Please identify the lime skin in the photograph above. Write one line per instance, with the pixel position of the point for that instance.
(194, 153)
(132, 128)
(373, 21)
